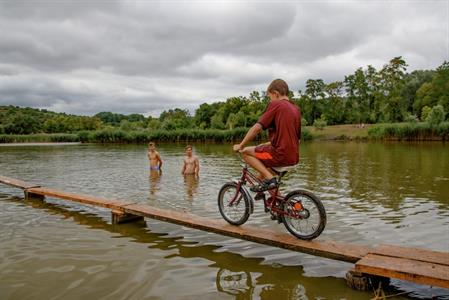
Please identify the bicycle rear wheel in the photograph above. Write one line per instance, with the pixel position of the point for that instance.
(238, 212)
(304, 215)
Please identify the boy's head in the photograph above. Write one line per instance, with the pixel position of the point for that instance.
(151, 145)
(278, 86)
(188, 150)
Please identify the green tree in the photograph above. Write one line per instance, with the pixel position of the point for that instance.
(425, 113)
(217, 121)
(392, 106)
(23, 124)
(436, 91)
(436, 115)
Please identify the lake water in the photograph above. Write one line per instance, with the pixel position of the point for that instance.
(374, 193)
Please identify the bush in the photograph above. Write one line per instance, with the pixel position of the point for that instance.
(436, 115)
(39, 138)
(410, 131)
(411, 118)
(319, 124)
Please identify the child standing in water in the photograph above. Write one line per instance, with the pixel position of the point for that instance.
(154, 157)
(191, 163)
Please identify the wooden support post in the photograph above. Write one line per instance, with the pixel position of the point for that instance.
(31, 196)
(119, 217)
(365, 282)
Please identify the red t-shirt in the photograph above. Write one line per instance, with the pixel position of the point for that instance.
(283, 121)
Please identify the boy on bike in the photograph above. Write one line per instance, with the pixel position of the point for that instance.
(282, 118)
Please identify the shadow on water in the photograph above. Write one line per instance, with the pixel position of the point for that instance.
(244, 278)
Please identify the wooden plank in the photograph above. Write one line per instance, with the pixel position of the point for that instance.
(405, 269)
(17, 183)
(328, 249)
(80, 198)
(425, 255)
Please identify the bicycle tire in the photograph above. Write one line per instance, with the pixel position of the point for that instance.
(232, 216)
(312, 208)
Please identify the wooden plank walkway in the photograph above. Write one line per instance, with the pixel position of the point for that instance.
(415, 265)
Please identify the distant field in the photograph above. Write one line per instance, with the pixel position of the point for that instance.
(350, 131)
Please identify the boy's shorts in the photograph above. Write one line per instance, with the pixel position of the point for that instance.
(266, 155)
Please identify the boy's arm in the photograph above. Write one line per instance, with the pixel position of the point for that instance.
(197, 166)
(250, 135)
(160, 160)
(183, 167)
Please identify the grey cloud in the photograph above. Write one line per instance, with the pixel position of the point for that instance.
(146, 56)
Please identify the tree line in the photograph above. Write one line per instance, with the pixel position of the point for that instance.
(370, 96)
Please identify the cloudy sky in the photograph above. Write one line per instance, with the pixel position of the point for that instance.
(87, 56)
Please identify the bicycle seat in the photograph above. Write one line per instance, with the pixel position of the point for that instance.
(282, 170)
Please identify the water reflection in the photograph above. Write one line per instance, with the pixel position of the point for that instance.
(373, 193)
(234, 274)
(191, 182)
(155, 180)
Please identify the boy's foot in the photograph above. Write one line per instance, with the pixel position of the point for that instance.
(259, 196)
(265, 185)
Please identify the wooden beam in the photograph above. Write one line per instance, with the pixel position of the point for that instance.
(17, 183)
(80, 198)
(405, 269)
(328, 249)
(417, 254)
(119, 217)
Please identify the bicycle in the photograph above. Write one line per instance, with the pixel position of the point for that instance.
(301, 212)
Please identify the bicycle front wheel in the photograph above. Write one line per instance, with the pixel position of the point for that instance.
(304, 215)
(233, 204)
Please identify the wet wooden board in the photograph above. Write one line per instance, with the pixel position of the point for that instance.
(417, 254)
(80, 198)
(328, 249)
(406, 269)
(17, 183)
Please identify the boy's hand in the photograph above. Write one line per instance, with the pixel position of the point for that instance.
(237, 147)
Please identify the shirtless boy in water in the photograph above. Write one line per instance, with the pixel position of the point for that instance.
(154, 157)
(191, 163)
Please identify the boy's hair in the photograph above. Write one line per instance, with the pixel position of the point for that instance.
(188, 147)
(280, 86)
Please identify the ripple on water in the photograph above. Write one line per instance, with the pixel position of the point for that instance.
(51, 253)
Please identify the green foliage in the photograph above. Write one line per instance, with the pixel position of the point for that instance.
(305, 134)
(38, 138)
(320, 123)
(409, 118)
(436, 115)
(425, 113)
(180, 135)
(435, 92)
(410, 131)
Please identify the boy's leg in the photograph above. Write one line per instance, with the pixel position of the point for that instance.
(249, 155)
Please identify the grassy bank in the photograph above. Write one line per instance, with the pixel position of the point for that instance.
(39, 138)
(396, 131)
(120, 136)
(340, 132)
(410, 132)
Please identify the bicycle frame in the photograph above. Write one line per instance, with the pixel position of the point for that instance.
(301, 212)
(270, 204)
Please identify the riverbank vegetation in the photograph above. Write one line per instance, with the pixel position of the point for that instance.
(369, 104)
